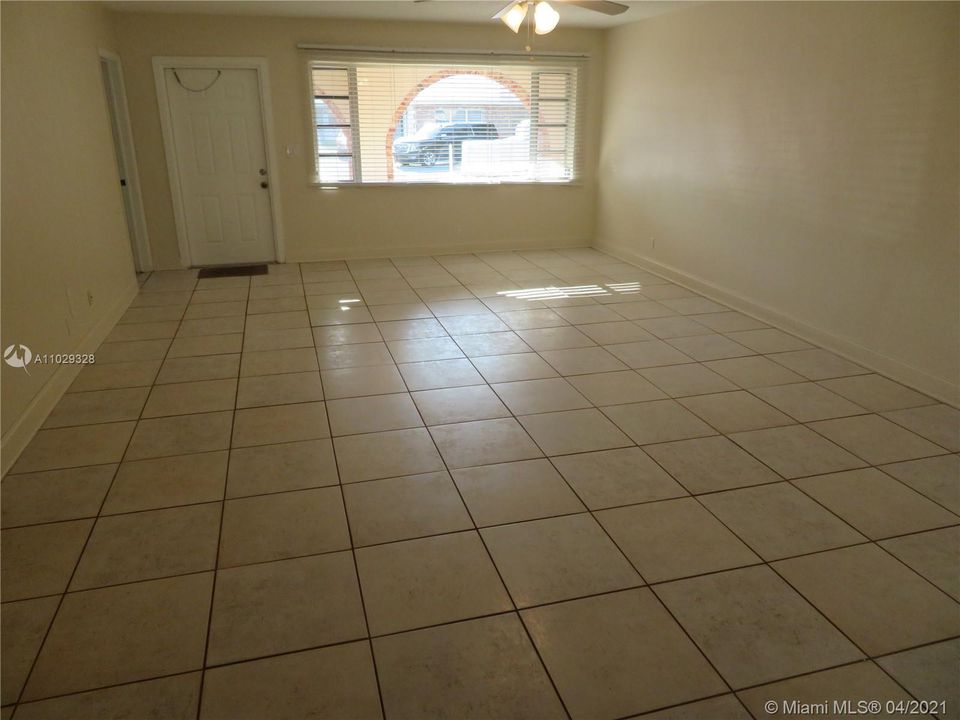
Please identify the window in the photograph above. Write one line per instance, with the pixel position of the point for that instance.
(419, 119)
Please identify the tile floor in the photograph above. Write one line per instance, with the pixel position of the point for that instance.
(506, 485)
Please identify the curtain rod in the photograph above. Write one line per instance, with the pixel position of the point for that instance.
(434, 51)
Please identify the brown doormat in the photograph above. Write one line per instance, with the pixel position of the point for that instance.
(232, 271)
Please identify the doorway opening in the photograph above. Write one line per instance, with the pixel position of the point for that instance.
(127, 177)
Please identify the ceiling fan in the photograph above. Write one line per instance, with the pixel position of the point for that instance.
(545, 17)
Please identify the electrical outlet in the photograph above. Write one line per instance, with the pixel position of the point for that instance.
(653, 243)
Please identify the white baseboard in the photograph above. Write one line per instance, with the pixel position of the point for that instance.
(26, 426)
(901, 372)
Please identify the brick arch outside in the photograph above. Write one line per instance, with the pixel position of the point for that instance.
(511, 85)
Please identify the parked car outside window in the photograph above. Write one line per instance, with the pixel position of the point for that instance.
(431, 144)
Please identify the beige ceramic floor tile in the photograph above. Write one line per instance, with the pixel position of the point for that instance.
(346, 334)
(39, 559)
(674, 539)
(876, 393)
(343, 315)
(277, 468)
(710, 464)
(582, 361)
(817, 364)
(453, 405)
(855, 683)
(617, 477)
(100, 406)
(511, 368)
(795, 451)
(673, 327)
(657, 421)
(779, 521)
(709, 347)
(938, 423)
(501, 343)
(472, 324)
(166, 482)
(403, 508)
(75, 446)
(429, 581)
(361, 355)
(282, 339)
(559, 558)
(770, 340)
(932, 554)
(283, 606)
(687, 379)
(23, 626)
(876, 439)
(483, 442)
(651, 353)
(558, 338)
(143, 331)
(876, 504)
(283, 525)
(89, 644)
(754, 372)
(615, 388)
(876, 592)
(621, 331)
(808, 401)
(110, 353)
(532, 319)
(694, 305)
(724, 706)
(410, 329)
(149, 545)
(180, 435)
(754, 627)
(389, 454)
(211, 326)
(439, 374)
(203, 367)
(54, 495)
(289, 388)
(574, 431)
(377, 413)
(326, 684)
(538, 396)
(938, 478)
(482, 668)
(735, 411)
(641, 310)
(424, 349)
(360, 381)
(517, 491)
(191, 397)
(596, 648)
(139, 373)
(274, 362)
(928, 672)
(280, 423)
(207, 345)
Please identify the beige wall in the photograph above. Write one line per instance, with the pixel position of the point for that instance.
(358, 221)
(63, 229)
(803, 157)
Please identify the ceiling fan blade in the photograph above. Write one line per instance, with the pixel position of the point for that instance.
(505, 9)
(602, 6)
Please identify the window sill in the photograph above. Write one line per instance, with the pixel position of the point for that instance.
(527, 183)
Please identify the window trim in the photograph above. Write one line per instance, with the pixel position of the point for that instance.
(325, 56)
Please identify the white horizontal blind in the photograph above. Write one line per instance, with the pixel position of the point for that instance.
(444, 119)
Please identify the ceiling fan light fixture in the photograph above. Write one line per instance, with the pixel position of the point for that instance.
(514, 17)
(545, 18)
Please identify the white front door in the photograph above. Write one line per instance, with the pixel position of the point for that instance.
(222, 164)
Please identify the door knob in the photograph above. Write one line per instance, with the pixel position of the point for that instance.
(264, 184)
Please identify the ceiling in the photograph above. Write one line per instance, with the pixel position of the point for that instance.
(468, 11)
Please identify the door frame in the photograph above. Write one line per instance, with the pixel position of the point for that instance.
(259, 64)
(117, 100)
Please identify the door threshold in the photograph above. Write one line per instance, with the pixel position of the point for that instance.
(232, 271)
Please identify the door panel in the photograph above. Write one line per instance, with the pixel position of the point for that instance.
(218, 134)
